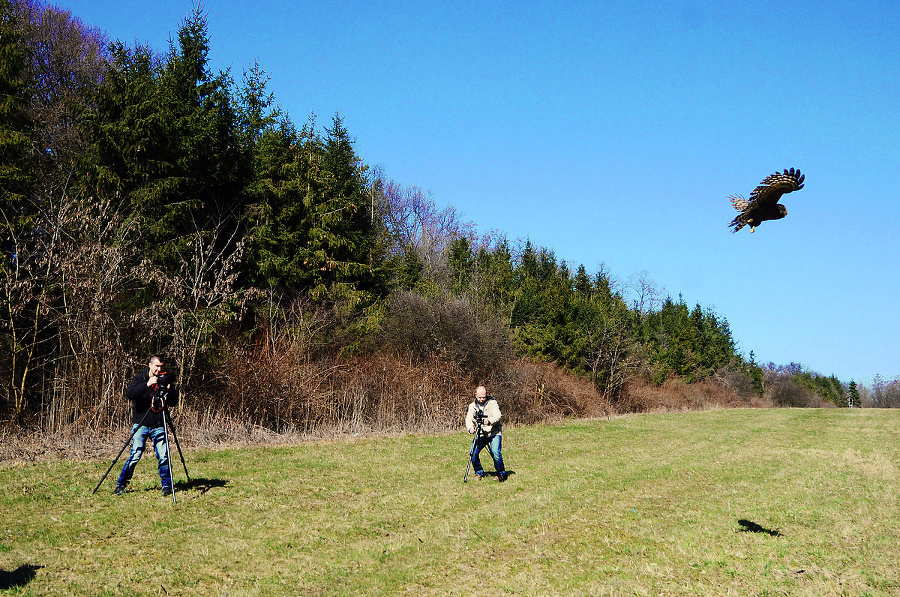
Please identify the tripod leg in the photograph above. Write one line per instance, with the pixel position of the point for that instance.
(169, 458)
(130, 438)
(175, 435)
(471, 453)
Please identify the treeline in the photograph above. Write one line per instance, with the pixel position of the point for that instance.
(152, 206)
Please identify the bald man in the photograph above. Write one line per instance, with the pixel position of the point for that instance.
(486, 410)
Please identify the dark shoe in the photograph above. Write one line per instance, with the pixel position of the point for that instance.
(502, 476)
(166, 491)
(119, 490)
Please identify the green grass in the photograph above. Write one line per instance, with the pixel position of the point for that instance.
(730, 502)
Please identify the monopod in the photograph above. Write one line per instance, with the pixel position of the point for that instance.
(479, 432)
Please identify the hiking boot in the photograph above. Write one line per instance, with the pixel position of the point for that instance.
(166, 491)
(119, 490)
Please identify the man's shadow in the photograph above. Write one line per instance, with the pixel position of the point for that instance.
(494, 473)
(19, 577)
(201, 485)
(748, 526)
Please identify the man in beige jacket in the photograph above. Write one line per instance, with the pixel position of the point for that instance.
(486, 410)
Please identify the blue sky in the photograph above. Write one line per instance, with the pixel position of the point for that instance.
(612, 133)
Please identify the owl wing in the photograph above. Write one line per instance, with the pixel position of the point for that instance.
(775, 185)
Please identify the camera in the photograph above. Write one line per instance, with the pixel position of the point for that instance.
(161, 390)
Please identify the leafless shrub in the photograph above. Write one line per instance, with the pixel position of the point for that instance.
(884, 393)
(449, 329)
(738, 381)
(533, 392)
(675, 395)
(783, 390)
(288, 390)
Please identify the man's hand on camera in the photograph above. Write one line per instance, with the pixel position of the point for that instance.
(153, 379)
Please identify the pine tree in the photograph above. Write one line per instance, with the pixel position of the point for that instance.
(341, 221)
(208, 170)
(17, 212)
(853, 397)
(582, 281)
(461, 266)
(16, 127)
(287, 178)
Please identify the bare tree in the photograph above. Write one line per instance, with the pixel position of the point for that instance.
(884, 393)
(68, 60)
(613, 356)
(413, 220)
(645, 292)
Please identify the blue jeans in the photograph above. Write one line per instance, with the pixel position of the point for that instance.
(140, 434)
(494, 446)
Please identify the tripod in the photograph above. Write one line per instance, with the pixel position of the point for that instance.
(130, 437)
(167, 424)
(479, 433)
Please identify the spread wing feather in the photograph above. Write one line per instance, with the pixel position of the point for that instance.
(775, 185)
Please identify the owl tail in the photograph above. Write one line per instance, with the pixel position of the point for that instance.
(738, 202)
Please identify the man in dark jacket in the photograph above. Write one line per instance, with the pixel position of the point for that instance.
(145, 392)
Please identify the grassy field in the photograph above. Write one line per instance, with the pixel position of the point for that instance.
(727, 502)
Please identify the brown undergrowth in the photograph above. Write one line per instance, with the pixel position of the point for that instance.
(287, 399)
(677, 396)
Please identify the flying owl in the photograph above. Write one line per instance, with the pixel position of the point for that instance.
(763, 203)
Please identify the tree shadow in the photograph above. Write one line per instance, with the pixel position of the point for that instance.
(748, 526)
(19, 577)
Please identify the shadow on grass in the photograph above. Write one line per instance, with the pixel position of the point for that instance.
(19, 577)
(201, 485)
(748, 526)
(509, 473)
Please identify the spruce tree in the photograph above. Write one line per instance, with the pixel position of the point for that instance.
(17, 211)
(340, 220)
(853, 398)
(16, 173)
